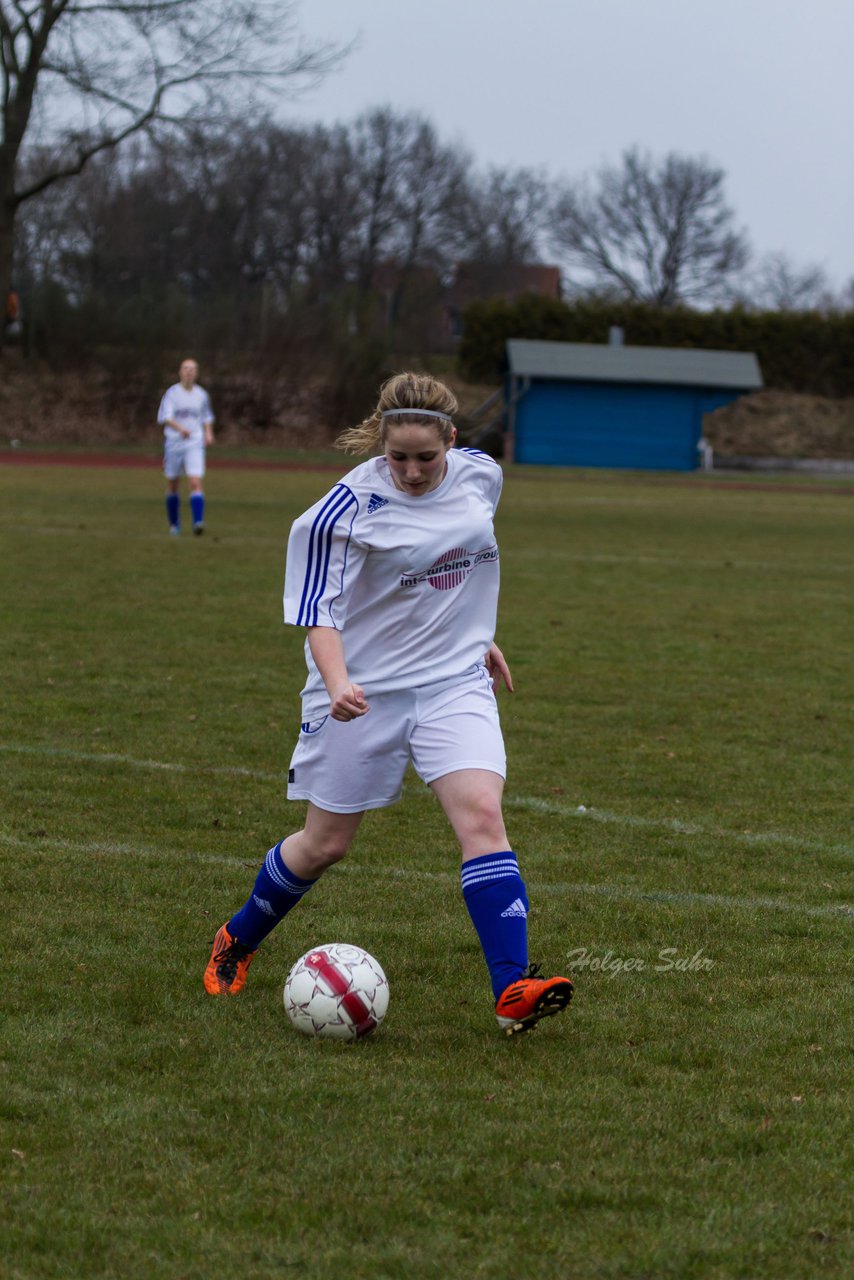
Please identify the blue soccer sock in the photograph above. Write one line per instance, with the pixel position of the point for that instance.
(173, 509)
(197, 506)
(494, 894)
(276, 891)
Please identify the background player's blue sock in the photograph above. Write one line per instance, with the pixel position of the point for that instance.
(197, 506)
(173, 509)
(276, 891)
(494, 894)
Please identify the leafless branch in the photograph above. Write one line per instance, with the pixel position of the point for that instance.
(662, 233)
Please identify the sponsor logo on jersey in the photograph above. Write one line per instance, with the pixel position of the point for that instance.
(451, 568)
(375, 502)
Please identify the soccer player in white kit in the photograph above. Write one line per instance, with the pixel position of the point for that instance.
(187, 420)
(394, 574)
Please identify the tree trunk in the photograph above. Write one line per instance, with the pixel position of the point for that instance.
(7, 249)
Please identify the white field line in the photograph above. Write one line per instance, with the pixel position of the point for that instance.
(802, 843)
(534, 804)
(618, 893)
(109, 757)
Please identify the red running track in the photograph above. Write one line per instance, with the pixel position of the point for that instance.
(18, 457)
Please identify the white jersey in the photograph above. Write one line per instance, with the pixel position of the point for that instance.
(410, 582)
(191, 408)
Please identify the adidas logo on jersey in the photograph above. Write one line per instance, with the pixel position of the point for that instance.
(516, 908)
(375, 502)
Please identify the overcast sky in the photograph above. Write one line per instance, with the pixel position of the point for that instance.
(763, 88)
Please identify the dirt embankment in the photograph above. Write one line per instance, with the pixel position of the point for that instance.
(41, 406)
(44, 406)
(781, 424)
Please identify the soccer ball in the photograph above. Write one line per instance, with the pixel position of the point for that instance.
(337, 991)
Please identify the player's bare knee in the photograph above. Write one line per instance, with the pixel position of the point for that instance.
(333, 850)
(325, 851)
(483, 817)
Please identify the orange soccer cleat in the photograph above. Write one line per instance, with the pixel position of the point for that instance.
(228, 965)
(520, 1007)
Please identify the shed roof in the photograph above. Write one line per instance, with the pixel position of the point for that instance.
(598, 362)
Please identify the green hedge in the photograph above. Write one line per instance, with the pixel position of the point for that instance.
(804, 351)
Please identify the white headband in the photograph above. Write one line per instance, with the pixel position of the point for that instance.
(421, 413)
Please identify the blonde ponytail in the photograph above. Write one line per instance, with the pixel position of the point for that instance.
(410, 391)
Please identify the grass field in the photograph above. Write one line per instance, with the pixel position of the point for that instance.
(683, 662)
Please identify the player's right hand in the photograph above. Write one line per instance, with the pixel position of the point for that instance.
(349, 703)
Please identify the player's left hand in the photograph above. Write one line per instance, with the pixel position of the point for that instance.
(498, 669)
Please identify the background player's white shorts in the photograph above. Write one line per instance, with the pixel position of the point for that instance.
(182, 456)
(346, 767)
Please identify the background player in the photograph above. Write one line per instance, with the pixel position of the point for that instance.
(187, 420)
(394, 573)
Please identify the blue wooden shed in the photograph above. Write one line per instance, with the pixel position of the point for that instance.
(582, 404)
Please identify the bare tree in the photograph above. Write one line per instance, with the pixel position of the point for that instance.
(661, 232)
(409, 184)
(78, 77)
(282, 231)
(844, 300)
(777, 284)
(502, 216)
(333, 195)
(380, 141)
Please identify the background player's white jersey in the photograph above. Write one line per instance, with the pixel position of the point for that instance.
(411, 582)
(191, 408)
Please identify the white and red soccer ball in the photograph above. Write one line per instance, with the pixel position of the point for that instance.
(337, 991)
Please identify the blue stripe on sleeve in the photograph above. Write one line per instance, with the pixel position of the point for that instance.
(330, 501)
(479, 453)
(320, 550)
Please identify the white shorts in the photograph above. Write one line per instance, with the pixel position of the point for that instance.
(180, 455)
(346, 767)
